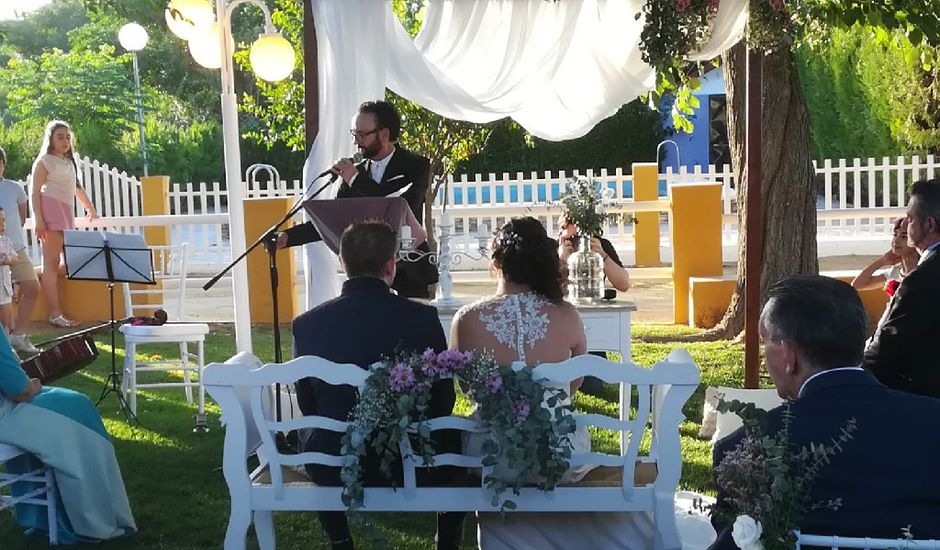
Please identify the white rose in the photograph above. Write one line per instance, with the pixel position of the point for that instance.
(746, 533)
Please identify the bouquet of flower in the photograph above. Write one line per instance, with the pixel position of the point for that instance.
(768, 481)
(584, 203)
(531, 439)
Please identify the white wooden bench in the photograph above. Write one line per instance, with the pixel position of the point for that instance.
(640, 481)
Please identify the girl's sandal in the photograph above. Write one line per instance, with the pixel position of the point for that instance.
(61, 321)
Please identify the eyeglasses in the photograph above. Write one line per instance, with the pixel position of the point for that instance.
(359, 135)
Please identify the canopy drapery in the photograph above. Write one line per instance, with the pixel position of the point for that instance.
(557, 68)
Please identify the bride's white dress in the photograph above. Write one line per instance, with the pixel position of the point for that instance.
(519, 321)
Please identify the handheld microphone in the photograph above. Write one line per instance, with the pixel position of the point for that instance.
(356, 158)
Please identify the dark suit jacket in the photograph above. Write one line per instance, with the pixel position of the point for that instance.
(903, 353)
(886, 475)
(403, 168)
(365, 323)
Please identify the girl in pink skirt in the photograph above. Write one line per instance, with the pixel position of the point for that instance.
(55, 187)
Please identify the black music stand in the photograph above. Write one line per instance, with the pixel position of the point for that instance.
(114, 258)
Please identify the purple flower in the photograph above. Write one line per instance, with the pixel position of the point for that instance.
(401, 377)
(430, 365)
(682, 5)
(451, 360)
(713, 4)
(777, 5)
(521, 408)
(493, 382)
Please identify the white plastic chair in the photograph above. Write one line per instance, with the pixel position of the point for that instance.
(170, 271)
(45, 495)
(833, 542)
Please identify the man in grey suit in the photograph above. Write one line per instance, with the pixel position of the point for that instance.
(902, 353)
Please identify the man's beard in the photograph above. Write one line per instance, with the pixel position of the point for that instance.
(370, 151)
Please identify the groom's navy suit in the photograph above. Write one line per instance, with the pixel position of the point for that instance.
(363, 325)
(886, 475)
(404, 168)
(903, 353)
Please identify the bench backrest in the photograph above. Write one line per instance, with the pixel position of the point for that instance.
(242, 390)
(662, 390)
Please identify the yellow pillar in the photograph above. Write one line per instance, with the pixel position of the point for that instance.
(696, 239)
(260, 215)
(646, 229)
(155, 201)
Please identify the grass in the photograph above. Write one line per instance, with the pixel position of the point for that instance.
(175, 484)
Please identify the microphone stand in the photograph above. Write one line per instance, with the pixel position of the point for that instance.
(269, 239)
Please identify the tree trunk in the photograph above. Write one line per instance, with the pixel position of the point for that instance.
(788, 188)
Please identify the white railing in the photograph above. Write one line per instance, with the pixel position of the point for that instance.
(856, 198)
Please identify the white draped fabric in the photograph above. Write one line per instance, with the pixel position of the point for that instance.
(557, 68)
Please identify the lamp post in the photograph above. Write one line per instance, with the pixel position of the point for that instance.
(272, 59)
(133, 38)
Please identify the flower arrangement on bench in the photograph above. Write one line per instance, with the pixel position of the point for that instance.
(531, 439)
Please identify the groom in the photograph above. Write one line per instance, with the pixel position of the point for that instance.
(364, 324)
(813, 331)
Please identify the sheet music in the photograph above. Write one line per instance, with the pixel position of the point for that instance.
(401, 191)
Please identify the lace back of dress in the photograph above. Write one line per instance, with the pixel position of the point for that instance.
(517, 320)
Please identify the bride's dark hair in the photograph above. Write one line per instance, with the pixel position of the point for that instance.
(527, 255)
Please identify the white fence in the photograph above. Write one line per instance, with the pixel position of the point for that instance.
(857, 198)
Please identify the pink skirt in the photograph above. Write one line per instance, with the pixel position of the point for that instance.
(57, 215)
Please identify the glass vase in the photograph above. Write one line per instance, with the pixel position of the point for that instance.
(585, 273)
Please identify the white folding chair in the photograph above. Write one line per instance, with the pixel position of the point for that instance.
(864, 543)
(170, 295)
(44, 495)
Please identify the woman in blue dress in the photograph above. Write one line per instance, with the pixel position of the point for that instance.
(63, 429)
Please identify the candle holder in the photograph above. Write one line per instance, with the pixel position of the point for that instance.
(444, 258)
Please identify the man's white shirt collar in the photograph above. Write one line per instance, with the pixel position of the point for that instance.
(823, 372)
(923, 257)
(377, 167)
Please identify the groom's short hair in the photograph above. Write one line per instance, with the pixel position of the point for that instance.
(823, 317)
(366, 246)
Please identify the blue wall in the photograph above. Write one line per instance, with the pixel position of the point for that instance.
(693, 148)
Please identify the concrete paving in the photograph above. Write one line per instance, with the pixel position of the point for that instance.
(651, 291)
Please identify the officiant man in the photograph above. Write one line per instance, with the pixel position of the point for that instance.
(813, 332)
(355, 328)
(903, 351)
(386, 169)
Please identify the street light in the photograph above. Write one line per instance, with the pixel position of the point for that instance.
(272, 58)
(133, 38)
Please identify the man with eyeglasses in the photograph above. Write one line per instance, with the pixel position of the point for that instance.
(386, 169)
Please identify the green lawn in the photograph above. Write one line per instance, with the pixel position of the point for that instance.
(175, 484)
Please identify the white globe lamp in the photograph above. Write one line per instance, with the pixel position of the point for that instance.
(272, 57)
(206, 49)
(133, 37)
(187, 17)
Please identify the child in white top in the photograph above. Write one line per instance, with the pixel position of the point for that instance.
(7, 258)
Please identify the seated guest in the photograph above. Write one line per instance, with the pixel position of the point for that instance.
(902, 353)
(893, 265)
(613, 267)
(813, 331)
(366, 323)
(62, 429)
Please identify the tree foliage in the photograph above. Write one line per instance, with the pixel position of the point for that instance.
(871, 93)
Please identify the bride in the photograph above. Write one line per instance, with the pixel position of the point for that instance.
(528, 320)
